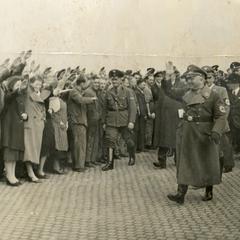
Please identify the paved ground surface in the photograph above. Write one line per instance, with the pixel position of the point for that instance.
(126, 203)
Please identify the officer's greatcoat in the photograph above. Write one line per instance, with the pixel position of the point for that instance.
(197, 155)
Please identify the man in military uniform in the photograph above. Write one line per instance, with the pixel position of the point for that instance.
(198, 137)
(234, 116)
(120, 113)
(225, 145)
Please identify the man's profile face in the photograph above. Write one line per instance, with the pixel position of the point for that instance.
(210, 80)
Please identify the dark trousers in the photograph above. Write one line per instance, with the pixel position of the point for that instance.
(101, 149)
(227, 151)
(112, 134)
(162, 155)
(140, 127)
(78, 145)
(235, 138)
(92, 141)
(1, 163)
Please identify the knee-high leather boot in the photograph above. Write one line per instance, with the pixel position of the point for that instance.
(110, 163)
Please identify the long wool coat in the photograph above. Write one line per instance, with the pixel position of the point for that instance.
(197, 155)
(166, 111)
(33, 127)
(12, 124)
(59, 124)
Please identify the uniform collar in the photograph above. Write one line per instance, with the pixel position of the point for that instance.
(192, 97)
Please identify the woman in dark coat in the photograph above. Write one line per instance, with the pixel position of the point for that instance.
(13, 129)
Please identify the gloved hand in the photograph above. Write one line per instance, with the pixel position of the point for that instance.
(215, 137)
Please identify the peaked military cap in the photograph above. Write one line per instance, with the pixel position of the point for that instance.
(209, 70)
(115, 73)
(235, 65)
(193, 70)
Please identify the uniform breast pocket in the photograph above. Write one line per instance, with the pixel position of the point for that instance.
(123, 102)
(110, 101)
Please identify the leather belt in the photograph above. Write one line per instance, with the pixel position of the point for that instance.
(190, 118)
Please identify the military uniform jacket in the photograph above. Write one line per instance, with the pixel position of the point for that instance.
(197, 155)
(234, 116)
(222, 93)
(119, 107)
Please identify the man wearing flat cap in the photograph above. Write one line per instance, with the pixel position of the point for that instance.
(203, 120)
(119, 118)
(227, 160)
(233, 86)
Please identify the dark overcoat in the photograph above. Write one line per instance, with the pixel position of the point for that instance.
(12, 123)
(197, 155)
(167, 119)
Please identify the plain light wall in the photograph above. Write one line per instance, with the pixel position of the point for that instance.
(122, 33)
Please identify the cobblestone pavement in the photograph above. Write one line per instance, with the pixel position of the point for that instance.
(126, 203)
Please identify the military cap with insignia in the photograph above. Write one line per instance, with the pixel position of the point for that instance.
(209, 70)
(193, 70)
(233, 78)
(235, 65)
(115, 73)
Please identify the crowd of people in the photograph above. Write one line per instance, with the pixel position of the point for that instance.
(52, 119)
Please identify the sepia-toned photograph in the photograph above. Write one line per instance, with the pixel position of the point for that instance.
(120, 120)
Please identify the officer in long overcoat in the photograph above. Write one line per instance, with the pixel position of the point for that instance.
(198, 137)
